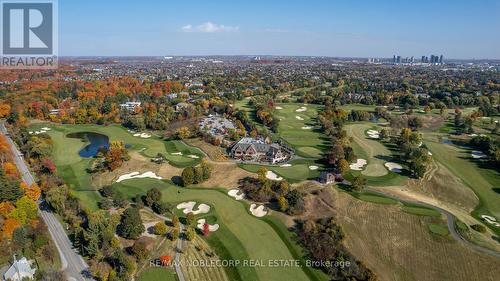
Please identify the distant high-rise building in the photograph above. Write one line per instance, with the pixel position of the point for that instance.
(441, 59)
(398, 59)
(394, 59)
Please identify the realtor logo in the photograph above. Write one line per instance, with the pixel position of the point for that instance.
(28, 34)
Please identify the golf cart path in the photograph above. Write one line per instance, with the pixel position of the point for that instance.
(450, 218)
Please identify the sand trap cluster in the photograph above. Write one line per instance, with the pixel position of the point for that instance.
(299, 118)
(358, 166)
(301, 109)
(286, 165)
(279, 108)
(374, 134)
(491, 220)
(476, 154)
(142, 135)
(236, 194)
(312, 167)
(393, 167)
(272, 176)
(258, 211)
(137, 175)
(193, 156)
(42, 131)
(307, 128)
(211, 227)
(189, 208)
(176, 153)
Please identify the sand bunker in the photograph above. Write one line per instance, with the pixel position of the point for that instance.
(307, 128)
(176, 153)
(137, 175)
(476, 154)
(46, 129)
(258, 211)
(373, 134)
(279, 108)
(189, 208)
(491, 220)
(358, 166)
(393, 167)
(430, 153)
(313, 167)
(236, 194)
(193, 156)
(211, 227)
(299, 118)
(272, 176)
(302, 109)
(142, 135)
(286, 165)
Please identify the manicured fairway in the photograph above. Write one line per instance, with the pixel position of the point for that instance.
(299, 128)
(149, 147)
(72, 167)
(242, 235)
(299, 170)
(373, 150)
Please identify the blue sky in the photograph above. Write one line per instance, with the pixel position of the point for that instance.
(378, 28)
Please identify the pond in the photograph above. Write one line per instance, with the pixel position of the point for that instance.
(96, 142)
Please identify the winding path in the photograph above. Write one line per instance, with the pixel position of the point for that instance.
(450, 218)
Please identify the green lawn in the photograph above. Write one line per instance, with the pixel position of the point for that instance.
(300, 130)
(421, 211)
(299, 170)
(149, 147)
(158, 274)
(376, 153)
(72, 167)
(240, 236)
(438, 229)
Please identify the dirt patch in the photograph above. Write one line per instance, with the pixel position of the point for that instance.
(226, 175)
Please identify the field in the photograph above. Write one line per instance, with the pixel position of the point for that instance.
(240, 234)
(398, 245)
(158, 274)
(481, 180)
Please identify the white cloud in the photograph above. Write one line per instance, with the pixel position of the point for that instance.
(209, 27)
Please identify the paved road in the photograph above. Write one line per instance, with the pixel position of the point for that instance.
(72, 263)
(450, 218)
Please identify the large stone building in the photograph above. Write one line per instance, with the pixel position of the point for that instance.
(249, 149)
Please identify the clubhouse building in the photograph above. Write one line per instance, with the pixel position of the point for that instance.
(257, 150)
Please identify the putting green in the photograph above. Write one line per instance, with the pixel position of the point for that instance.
(257, 239)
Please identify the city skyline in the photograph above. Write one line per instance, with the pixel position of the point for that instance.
(456, 29)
